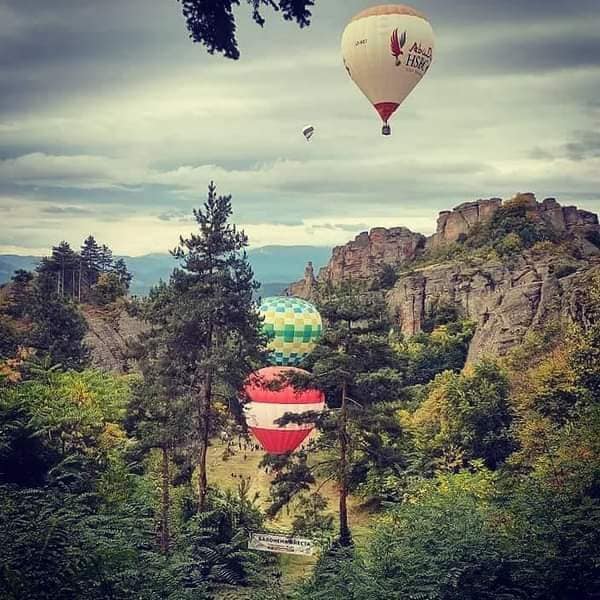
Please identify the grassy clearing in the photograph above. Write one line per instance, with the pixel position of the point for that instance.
(244, 464)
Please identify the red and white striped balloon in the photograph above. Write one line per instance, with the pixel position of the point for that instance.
(267, 405)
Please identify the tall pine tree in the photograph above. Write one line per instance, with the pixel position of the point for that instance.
(363, 379)
(207, 321)
(90, 264)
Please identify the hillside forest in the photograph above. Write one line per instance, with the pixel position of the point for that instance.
(428, 478)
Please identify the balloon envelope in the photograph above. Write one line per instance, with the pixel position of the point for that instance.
(294, 326)
(386, 51)
(267, 405)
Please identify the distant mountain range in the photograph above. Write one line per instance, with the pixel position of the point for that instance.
(274, 266)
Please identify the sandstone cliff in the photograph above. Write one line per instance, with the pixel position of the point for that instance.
(505, 302)
(505, 298)
(364, 257)
(454, 224)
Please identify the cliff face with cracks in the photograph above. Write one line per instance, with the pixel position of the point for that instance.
(505, 298)
(364, 257)
(505, 302)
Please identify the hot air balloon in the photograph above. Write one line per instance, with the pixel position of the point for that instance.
(294, 326)
(308, 132)
(267, 405)
(386, 51)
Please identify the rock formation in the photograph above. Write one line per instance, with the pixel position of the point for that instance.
(305, 287)
(452, 224)
(504, 298)
(504, 302)
(364, 257)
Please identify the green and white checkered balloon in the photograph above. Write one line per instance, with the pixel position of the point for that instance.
(294, 327)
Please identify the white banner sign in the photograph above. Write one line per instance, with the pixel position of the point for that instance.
(273, 542)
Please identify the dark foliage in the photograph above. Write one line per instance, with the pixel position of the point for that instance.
(212, 22)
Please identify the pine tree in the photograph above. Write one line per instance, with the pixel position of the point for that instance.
(206, 319)
(157, 417)
(58, 270)
(120, 269)
(66, 260)
(19, 292)
(105, 259)
(363, 379)
(89, 265)
(57, 330)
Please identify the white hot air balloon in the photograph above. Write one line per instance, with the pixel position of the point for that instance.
(386, 51)
(308, 132)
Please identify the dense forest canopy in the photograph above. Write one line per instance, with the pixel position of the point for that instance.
(426, 479)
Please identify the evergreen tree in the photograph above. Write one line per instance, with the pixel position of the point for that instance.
(59, 270)
(57, 331)
(157, 416)
(105, 259)
(19, 292)
(363, 379)
(90, 263)
(206, 321)
(53, 324)
(119, 268)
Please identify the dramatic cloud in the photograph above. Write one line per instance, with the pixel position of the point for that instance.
(112, 122)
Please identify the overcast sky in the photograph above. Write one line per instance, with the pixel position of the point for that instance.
(112, 122)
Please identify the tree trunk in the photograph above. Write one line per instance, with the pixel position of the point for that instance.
(345, 537)
(165, 540)
(204, 431)
(79, 290)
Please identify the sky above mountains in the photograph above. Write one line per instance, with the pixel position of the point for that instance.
(112, 122)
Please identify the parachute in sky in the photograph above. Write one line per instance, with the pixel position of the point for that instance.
(267, 405)
(386, 51)
(294, 327)
(308, 131)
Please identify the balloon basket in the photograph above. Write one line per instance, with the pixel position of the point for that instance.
(386, 130)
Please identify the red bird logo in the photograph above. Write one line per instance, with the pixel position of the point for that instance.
(396, 45)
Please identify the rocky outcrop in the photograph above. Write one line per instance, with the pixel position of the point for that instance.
(364, 257)
(304, 288)
(504, 301)
(109, 332)
(452, 224)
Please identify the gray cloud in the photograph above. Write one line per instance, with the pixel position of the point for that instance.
(66, 210)
(539, 153)
(351, 227)
(107, 107)
(587, 146)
